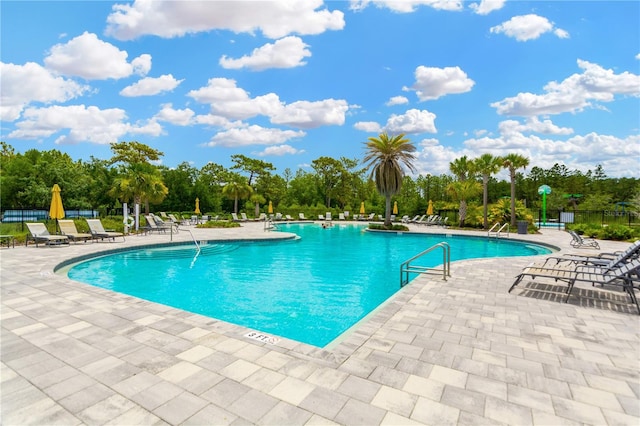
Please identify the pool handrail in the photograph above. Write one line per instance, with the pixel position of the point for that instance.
(406, 268)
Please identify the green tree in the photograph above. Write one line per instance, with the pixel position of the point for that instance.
(461, 191)
(514, 162)
(486, 165)
(251, 166)
(257, 199)
(237, 189)
(329, 172)
(139, 180)
(385, 158)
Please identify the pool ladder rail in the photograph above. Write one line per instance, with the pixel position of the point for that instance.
(406, 268)
(493, 233)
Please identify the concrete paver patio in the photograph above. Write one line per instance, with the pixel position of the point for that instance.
(462, 351)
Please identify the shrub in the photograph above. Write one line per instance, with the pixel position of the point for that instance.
(394, 227)
(218, 224)
(616, 232)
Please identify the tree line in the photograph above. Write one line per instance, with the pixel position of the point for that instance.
(338, 184)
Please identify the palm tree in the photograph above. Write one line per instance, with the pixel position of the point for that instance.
(257, 199)
(462, 168)
(385, 157)
(462, 190)
(139, 182)
(487, 165)
(514, 162)
(237, 189)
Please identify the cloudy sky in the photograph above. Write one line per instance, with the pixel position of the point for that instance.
(291, 81)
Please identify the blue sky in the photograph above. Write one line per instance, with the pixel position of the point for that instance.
(291, 81)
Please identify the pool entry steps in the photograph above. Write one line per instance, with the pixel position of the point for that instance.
(406, 268)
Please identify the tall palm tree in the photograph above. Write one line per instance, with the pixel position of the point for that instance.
(462, 190)
(237, 189)
(385, 158)
(486, 165)
(462, 168)
(514, 162)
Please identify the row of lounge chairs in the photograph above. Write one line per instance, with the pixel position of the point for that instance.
(619, 269)
(427, 220)
(38, 233)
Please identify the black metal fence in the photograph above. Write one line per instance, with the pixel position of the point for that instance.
(561, 217)
(33, 215)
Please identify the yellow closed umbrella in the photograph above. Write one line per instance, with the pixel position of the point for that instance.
(395, 207)
(56, 211)
(197, 211)
(270, 209)
(430, 208)
(362, 208)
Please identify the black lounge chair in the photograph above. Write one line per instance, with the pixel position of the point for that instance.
(625, 274)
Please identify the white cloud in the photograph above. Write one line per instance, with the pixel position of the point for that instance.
(397, 100)
(307, 115)
(533, 124)
(83, 124)
(88, 57)
(527, 27)
(619, 156)
(279, 151)
(229, 101)
(179, 117)
(288, 52)
(433, 83)
(368, 126)
(408, 6)
(487, 6)
(253, 135)
(149, 86)
(275, 19)
(21, 85)
(572, 94)
(412, 121)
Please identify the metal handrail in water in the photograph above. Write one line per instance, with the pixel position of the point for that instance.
(406, 268)
(506, 225)
(492, 229)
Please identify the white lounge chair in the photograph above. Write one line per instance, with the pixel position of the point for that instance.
(40, 234)
(98, 231)
(68, 228)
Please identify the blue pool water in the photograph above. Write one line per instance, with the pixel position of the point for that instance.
(310, 289)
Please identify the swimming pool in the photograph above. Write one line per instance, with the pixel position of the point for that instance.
(310, 289)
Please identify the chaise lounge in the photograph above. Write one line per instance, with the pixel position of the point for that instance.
(98, 231)
(68, 228)
(40, 234)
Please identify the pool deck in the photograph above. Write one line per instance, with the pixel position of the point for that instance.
(461, 351)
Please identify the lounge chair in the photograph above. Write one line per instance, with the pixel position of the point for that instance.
(40, 234)
(288, 217)
(68, 228)
(262, 217)
(625, 274)
(577, 241)
(301, 216)
(177, 221)
(98, 231)
(155, 224)
(341, 216)
(235, 218)
(418, 218)
(603, 260)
